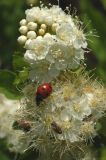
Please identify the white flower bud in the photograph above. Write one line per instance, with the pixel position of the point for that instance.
(27, 44)
(23, 22)
(54, 26)
(23, 29)
(31, 35)
(43, 26)
(32, 26)
(22, 39)
(41, 32)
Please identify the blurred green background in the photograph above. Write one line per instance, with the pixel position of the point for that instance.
(91, 12)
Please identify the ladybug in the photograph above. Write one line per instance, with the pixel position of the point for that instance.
(43, 91)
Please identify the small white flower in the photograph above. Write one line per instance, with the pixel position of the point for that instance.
(42, 73)
(37, 47)
(65, 33)
(75, 61)
(80, 108)
(64, 56)
(66, 114)
(80, 40)
(30, 56)
(50, 39)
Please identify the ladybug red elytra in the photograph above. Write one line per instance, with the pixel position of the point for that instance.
(43, 91)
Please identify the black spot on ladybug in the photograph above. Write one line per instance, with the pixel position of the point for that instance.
(39, 99)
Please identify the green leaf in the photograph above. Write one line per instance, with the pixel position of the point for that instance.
(103, 126)
(9, 94)
(6, 78)
(22, 76)
(3, 156)
(98, 22)
(18, 62)
(104, 3)
(103, 154)
(6, 84)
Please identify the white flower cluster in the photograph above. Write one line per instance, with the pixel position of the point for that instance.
(67, 118)
(7, 108)
(53, 42)
(76, 110)
(61, 117)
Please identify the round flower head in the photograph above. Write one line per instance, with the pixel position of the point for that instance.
(50, 35)
(66, 119)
